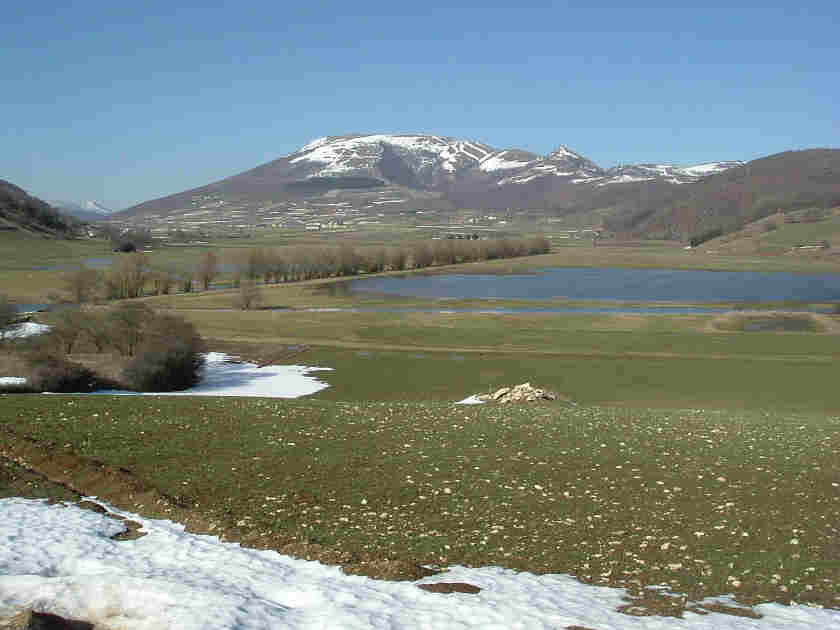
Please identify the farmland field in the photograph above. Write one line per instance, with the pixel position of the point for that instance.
(686, 450)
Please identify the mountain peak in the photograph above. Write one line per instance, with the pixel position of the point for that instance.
(563, 152)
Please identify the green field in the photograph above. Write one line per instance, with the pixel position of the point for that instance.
(708, 502)
(32, 268)
(686, 451)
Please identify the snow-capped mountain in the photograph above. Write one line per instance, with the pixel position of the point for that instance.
(95, 206)
(397, 172)
(432, 159)
(668, 172)
(429, 160)
(87, 210)
(562, 163)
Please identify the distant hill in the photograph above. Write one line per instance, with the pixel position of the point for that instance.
(788, 181)
(21, 211)
(385, 174)
(388, 173)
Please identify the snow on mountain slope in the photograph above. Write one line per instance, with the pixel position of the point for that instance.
(95, 206)
(563, 162)
(425, 161)
(710, 168)
(343, 155)
(668, 172)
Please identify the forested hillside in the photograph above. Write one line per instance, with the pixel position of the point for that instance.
(21, 211)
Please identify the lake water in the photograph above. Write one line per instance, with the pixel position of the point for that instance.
(101, 262)
(633, 285)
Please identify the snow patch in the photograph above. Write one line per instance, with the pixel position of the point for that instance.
(26, 329)
(60, 559)
(224, 376)
(471, 400)
(498, 163)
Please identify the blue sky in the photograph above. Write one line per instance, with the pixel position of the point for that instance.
(125, 102)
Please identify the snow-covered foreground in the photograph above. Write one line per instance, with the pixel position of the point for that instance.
(222, 377)
(25, 329)
(59, 558)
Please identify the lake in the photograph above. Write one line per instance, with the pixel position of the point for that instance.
(634, 285)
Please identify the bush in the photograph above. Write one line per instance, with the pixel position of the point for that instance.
(170, 358)
(54, 373)
(708, 235)
(165, 370)
(8, 312)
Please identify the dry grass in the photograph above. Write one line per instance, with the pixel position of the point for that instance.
(775, 321)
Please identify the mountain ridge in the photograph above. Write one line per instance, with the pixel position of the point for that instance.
(366, 169)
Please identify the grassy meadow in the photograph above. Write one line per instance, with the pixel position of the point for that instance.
(704, 501)
(697, 451)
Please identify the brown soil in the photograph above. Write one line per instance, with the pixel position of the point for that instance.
(72, 477)
(450, 587)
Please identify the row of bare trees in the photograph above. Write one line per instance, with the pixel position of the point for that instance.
(133, 275)
(305, 263)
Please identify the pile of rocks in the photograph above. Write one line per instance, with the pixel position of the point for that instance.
(524, 392)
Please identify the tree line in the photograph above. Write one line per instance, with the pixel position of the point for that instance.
(132, 276)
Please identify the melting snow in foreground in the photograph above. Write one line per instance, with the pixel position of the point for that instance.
(225, 378)
(26, 329)
(60, 559)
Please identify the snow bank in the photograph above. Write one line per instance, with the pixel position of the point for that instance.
(60, 559)
(26, 329)
(471, 400)
(225, 377)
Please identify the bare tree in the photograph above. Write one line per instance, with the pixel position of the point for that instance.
(376, 260)
(348, 260)
(8, 313)
(95, 329)
(68, 328)
(422, 255)
(164, 280)
(128, 279)
(249, 295)
(127, 323)
(208, 269)
(397, 258)
(82, 284)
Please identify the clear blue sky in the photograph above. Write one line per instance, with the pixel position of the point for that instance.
(128, 101)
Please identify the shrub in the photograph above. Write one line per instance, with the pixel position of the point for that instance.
(170, 358)
(708, 235)
(164, 370)
(54, 373)
(127, 324)
(8, 312)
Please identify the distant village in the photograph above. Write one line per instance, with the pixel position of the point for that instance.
(212, 217)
